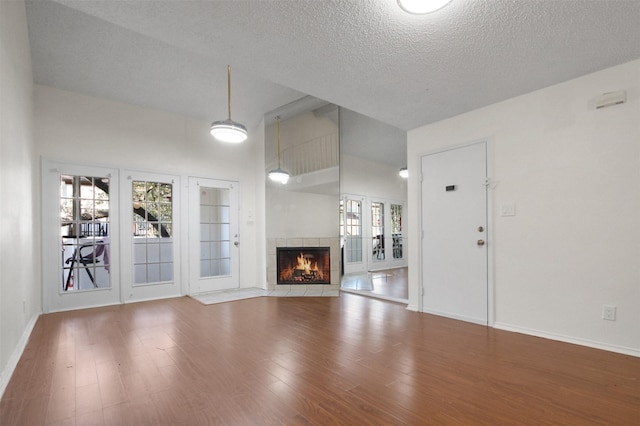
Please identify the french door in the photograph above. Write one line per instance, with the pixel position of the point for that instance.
(372, 234)
(387, 235)
(150, 235)
(352, 230)
(213, 235)
(79, 268)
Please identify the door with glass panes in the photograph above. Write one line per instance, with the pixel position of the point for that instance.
(352, 233)
(79, 268)
(150, 252)
(214, 238)
(387, 235)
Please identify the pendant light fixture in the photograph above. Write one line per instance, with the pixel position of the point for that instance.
(278, 175)
(228, 130)
(420, 7)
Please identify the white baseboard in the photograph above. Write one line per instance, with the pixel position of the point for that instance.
(456, 317)
(8, 370)
(569, 339)
(413, 308)
(150, 299)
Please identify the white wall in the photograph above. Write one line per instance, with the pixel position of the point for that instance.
(300, 213)
(75, 128)
(20, 300)
(292, 214)
(371, 179)
(574, 174)
(361, 138)
(365, 137)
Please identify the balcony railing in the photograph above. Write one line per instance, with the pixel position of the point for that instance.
(316, 154)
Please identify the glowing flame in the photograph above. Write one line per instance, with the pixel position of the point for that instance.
(304, 270)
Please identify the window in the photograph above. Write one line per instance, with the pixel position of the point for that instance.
(377, 231)
(84, 232)
(353, 230)
(152, 232)
(396, 230)
(215, 230)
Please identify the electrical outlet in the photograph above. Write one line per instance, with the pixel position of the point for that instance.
(609, 312)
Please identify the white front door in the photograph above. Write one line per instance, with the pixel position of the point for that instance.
(454, 238)
(79, 236)
(213, 235)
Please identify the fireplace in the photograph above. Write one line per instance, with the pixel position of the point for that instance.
(303, 265)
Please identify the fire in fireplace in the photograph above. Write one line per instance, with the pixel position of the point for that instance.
(303, 265)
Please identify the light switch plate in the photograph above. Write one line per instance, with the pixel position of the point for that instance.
(508, 209)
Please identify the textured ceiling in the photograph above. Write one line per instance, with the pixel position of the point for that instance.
(366, 55)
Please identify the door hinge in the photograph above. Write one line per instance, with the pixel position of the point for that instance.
(489, 183)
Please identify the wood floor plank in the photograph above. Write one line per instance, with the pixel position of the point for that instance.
(306, 361)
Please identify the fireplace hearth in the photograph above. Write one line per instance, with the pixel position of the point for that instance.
(303, 265)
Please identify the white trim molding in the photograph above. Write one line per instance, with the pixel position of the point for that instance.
(17, 354)
(569, 339)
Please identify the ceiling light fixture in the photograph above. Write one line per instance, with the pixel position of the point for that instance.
(228, 130)
(278, 175)
(421, 7)
(404, 173)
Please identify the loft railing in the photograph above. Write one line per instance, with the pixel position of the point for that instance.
(316, 154)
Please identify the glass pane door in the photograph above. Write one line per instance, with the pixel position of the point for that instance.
(396, 230)
(79, 236)
(213, 235)
(353, 228)
(353, 238)
(215, 227)
(150, 254)
(152, 232)
(377, 231)
(84, 233)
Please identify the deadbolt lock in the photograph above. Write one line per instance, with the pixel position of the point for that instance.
(480, 228)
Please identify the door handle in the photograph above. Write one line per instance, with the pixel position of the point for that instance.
(237, 243)
(480, 243)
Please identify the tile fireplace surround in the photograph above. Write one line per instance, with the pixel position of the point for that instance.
(275, 289)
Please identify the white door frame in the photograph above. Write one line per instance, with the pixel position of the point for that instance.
(132, 292)
(362, 266)
(222, 282)
(491, 184)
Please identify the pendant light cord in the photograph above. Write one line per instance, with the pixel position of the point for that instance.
(278, 137)
(229, 89)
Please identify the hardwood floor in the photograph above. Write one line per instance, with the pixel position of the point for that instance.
(389, 284)
(348, 360)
